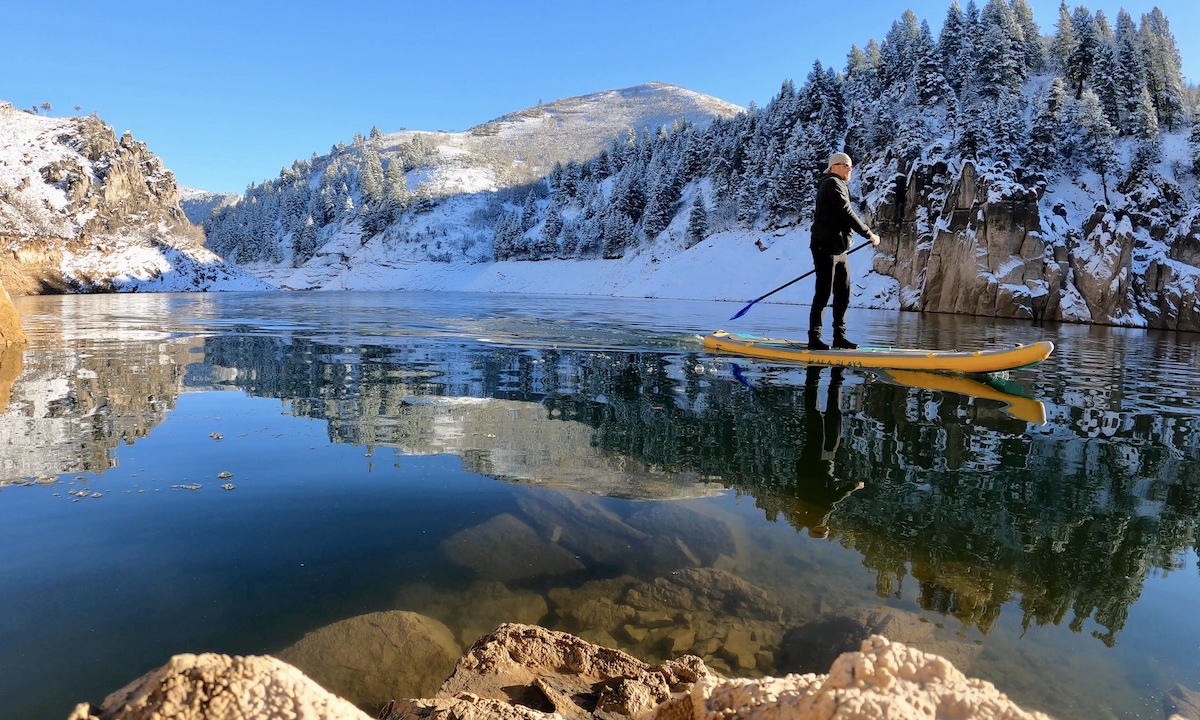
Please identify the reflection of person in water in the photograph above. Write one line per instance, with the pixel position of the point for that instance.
(818, 489)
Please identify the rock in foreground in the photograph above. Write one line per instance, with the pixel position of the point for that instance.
(525, 672)
(220, 687)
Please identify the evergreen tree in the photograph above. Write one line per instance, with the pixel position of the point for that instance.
(529, 213)
(973, 126)
(999, 68)
(1194, 146)
(395, 188)
(1009, 131)
(1045, 137)
(551, 228)
(1144, 119)
(507, 237)
(1129, 73)
(1066, 41)
(1104, 81)
(1034, 51)
(619, 235)
(304, 242)
(1095, 137)
(568, 241)
(371, 177)
(1164, 75)
(951, 43)
(790, 190)
(930, 80)
(1082, 61)
(697, 228)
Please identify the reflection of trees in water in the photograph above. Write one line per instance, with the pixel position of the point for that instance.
(977, 507)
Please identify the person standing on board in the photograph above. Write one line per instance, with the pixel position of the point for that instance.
(833, 223)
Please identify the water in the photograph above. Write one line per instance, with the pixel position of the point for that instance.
(569, 461)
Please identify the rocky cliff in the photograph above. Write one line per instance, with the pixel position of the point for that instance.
(985, 241)
(84, 210)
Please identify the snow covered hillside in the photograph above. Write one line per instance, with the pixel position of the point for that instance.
(197, 205)
(81, 210)
(1028, 176)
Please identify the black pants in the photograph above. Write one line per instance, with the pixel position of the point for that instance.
(833, 276)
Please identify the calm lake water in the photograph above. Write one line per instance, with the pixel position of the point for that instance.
(582, 463)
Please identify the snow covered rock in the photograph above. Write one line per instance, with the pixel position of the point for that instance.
(982, 241)
(84, 210)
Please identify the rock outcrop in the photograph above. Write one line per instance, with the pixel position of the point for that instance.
(552, 672)
(84, 210)
(883, 680)
(524, 672)
(978, 241)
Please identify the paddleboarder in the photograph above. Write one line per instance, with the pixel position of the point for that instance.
(834, 221)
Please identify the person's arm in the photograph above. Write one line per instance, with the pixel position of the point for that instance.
(843, 207)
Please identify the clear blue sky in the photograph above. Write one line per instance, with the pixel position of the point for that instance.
(227, 93)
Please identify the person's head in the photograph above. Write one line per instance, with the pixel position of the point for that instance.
(840, 165)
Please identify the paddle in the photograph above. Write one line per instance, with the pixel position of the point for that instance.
(746, 309)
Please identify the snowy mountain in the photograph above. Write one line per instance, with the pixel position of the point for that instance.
(197, 205)
(81, 210)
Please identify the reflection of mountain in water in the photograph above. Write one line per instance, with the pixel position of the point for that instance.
(979, 507)
(68, 411)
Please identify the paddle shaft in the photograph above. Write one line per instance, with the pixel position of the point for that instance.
(787, 284)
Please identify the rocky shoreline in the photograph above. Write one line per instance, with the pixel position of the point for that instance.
(526, 672)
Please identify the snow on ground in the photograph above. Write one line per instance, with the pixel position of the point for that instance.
(135, 265)
(726, 266)
(27, 144)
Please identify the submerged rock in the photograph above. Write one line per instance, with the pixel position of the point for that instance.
(812, 646)
(506, 549)
(732, 625)
(477, 610)
(374, 658)
(1182, 704)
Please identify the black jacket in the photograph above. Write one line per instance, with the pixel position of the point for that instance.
(834, 220)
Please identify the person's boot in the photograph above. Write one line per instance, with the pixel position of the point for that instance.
(841, 343)
(814, 341)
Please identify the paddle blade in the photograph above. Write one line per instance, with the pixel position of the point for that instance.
(743, 311)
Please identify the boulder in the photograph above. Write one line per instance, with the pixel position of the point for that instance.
(884, 679)
(1181, 704)
(375, 658)
(554, 672)
(505, 549)
(220, 687)
(476, 610)
(813, 646)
